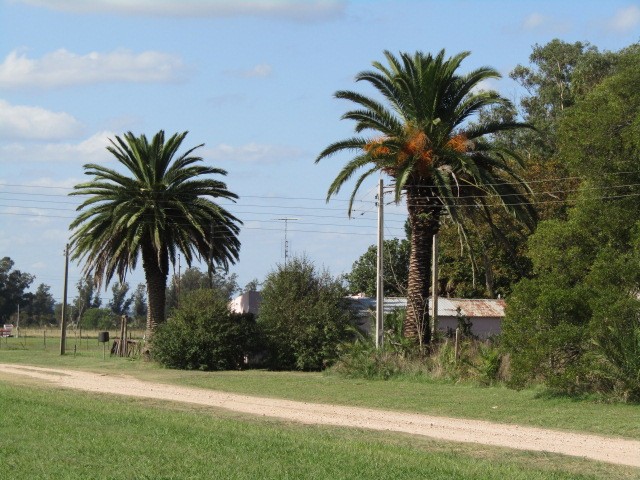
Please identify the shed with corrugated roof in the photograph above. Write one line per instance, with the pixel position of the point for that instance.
(485, 315)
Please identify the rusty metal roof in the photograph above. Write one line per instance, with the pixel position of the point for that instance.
(490, 308)
(447, 307)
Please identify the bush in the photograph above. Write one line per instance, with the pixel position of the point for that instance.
(361, 359)
(478, 360)
(614, 353)
(101, 318)
(544, 333)
(305, 317)
(203, 334)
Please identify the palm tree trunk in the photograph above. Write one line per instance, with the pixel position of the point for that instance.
(424, 217)
(156, 289)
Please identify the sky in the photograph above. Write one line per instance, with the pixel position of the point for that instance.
(251, 80)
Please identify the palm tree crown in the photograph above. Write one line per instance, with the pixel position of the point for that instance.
(156, 211)
(423, 138)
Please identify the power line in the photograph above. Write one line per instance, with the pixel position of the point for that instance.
(266, 197)
(501, 205)
(488, 194)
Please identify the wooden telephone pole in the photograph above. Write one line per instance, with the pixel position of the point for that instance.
(380, 270)
(63, 320)
(434, 288)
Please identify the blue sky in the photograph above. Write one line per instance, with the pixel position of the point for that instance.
(252, 80)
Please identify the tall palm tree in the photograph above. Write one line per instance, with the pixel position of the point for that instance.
(442, 163)
(159, 209)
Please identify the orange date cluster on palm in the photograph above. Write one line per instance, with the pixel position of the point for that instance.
(417, 146)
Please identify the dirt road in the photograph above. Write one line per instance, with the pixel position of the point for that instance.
(612, 450)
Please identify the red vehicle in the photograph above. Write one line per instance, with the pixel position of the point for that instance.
(6, 331)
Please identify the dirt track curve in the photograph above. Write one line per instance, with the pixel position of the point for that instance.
(606, 449)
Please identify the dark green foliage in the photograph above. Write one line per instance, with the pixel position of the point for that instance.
(464, 324)
(360, 359)
(139, 310)
(194, 279)
(251, 286)
(98, 318)
(479, 361)
(304, 315)
(120, 303)
(576, 325)
(489, 363)
(86, 298)
(203, 334)
(560, 74)
(362, 278)
(396, 358)
(491, 262)
(13, 284)
(40, 307)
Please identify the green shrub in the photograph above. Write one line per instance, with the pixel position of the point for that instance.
(305, 317)
(489, 364)
(361, 359)
(544, 333)
(614, 353)
(478, 360)
(101, 318)
(203, 334)
(393, 339)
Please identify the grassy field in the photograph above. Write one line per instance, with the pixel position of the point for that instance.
(50, 433)
(528, 407)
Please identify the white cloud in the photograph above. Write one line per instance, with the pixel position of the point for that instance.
(261, 70)
(91, 150)
(625, 19)
(533, 21)
(63, 69)
(251, 153)
(22, 122)
(305, 11)
(538, 22)
(225, 100)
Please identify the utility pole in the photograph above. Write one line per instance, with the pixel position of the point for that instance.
(178, 282)
(434, 287)
(380, 270)
(211, 256)
(63, 320)
(286, 221)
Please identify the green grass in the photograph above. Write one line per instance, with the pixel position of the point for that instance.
(528, 407)
(50, 433)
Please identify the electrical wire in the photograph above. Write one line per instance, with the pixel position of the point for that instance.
(373, 202)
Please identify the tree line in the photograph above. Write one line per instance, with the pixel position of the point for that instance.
(536, 202)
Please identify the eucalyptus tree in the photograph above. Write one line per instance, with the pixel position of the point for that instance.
(13, 284)
(161, 207)
(421, 136)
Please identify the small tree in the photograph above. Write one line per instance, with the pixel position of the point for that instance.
(86, 298)
(305, 316)
(119, 303)
(13, 284)
(102, 318)
(140, 304)
(362, 277)
(40, 308)
(194, 279)
(203, 334)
